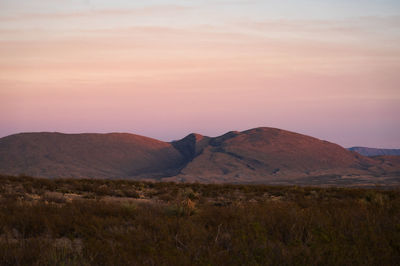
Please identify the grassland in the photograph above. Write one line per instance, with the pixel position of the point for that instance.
(117, 222)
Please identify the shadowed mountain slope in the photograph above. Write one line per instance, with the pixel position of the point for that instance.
(261, 155)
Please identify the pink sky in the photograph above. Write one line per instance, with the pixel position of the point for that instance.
(168, 70)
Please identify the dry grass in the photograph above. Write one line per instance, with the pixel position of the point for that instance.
(105, 222)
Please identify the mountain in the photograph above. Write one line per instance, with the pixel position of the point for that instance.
(260, 155)
(273, 155)
(375, 152)
(87, 155)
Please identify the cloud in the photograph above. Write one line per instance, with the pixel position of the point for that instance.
(318, 26)
(142, 12)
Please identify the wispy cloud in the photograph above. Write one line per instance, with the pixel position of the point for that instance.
(343, 26)
(140, 11)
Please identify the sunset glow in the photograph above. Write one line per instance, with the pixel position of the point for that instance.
(168, 68)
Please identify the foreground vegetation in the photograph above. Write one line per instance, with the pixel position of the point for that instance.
(115, 222)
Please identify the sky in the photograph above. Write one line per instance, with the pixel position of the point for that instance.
(164, 69)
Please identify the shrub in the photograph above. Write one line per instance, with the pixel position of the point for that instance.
(247, 226)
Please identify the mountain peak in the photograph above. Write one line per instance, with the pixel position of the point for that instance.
(191, 145)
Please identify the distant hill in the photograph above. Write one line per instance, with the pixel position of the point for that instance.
(375, 152)
(260, 155)
(264, 154)
(113, 155)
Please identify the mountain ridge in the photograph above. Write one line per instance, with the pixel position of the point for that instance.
(366, 151)
(258, 155)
